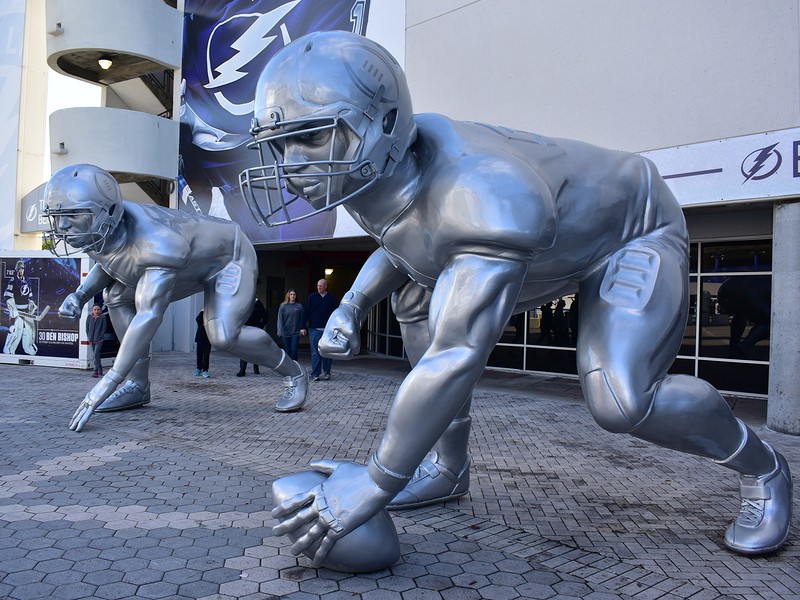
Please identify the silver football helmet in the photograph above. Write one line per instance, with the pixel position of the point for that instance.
(81, 192)
(351, 96)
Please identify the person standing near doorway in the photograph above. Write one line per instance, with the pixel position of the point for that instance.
(203, 346)
(290, 320)
(95, 332)
(319, 307)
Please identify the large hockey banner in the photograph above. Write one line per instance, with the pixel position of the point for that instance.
(31, 331)
(226, 45)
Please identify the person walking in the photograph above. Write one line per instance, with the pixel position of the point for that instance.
(258, 318)
(203, 347)
(290, 320)
(319, 307)
(96, 326)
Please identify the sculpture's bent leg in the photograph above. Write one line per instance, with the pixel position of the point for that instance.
(135, 392)
(434, 481)
(444, 474)
(228, 303)
(645, 316)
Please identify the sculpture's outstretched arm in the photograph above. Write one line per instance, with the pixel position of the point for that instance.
(375, 281)
(153, 295)
(473, 299)
(96, 281)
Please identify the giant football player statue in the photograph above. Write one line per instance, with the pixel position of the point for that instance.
(476, 223)
(147, 257)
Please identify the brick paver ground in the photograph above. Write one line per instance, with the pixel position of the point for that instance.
(173, 500)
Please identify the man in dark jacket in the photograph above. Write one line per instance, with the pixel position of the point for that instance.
(319, 307)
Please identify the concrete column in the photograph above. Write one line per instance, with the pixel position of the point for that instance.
(783, 408)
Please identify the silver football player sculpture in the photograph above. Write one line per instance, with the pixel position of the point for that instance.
(146, 257)
(477, 223)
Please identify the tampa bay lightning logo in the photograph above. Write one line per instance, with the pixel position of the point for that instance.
(761, 163)
(236, 49)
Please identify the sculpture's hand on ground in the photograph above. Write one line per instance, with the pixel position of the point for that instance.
(342, 336)
(70, 308)
(89, 404)
(345, 500)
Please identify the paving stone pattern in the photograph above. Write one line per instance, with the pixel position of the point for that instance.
(173, 500)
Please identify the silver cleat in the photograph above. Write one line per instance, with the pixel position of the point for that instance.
(295, 392)
(765, 513)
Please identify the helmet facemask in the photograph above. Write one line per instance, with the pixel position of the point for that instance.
(332, 82)
(74, 242)
(342, 174)
(84, 206)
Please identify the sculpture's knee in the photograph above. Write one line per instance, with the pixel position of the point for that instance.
(614, 407)
(221, 335)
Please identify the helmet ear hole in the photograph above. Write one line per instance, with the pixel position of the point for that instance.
(389, 121)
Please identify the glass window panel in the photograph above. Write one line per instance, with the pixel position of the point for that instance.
(682, 366)
(514, 331)
(554, 323)
(721, 257)
(738, 377)
(688, 344)
(551, 360)
(396, 347)
(737, 325)
(506, 357)
(394, 326)
(383, 310)
(692, 258)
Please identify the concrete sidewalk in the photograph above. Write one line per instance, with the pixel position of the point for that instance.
(173, 500)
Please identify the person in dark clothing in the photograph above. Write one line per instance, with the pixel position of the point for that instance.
(96, 326)
(258, 318)
(203, 347)
(319, 307)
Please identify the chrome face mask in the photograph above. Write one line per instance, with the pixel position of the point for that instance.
(276, 184)
(55, 238)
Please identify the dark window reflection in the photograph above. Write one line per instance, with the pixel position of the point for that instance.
(737, 325)
(688, 344)
(728, 321)
(552, 360)
(737, 256)
(506, 357)
(692, 258)
(396, 347)
(682, 366)
(738, 377)
(555, 323)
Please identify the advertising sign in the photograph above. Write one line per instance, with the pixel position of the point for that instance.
(226, 45)
(31, 331)
(764, 165)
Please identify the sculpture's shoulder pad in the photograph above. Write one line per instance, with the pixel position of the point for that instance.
(497, 200)
(159, 239)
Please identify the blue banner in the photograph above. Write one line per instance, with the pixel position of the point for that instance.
(226, 45)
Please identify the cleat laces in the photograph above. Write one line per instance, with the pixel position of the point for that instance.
(751, 512)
